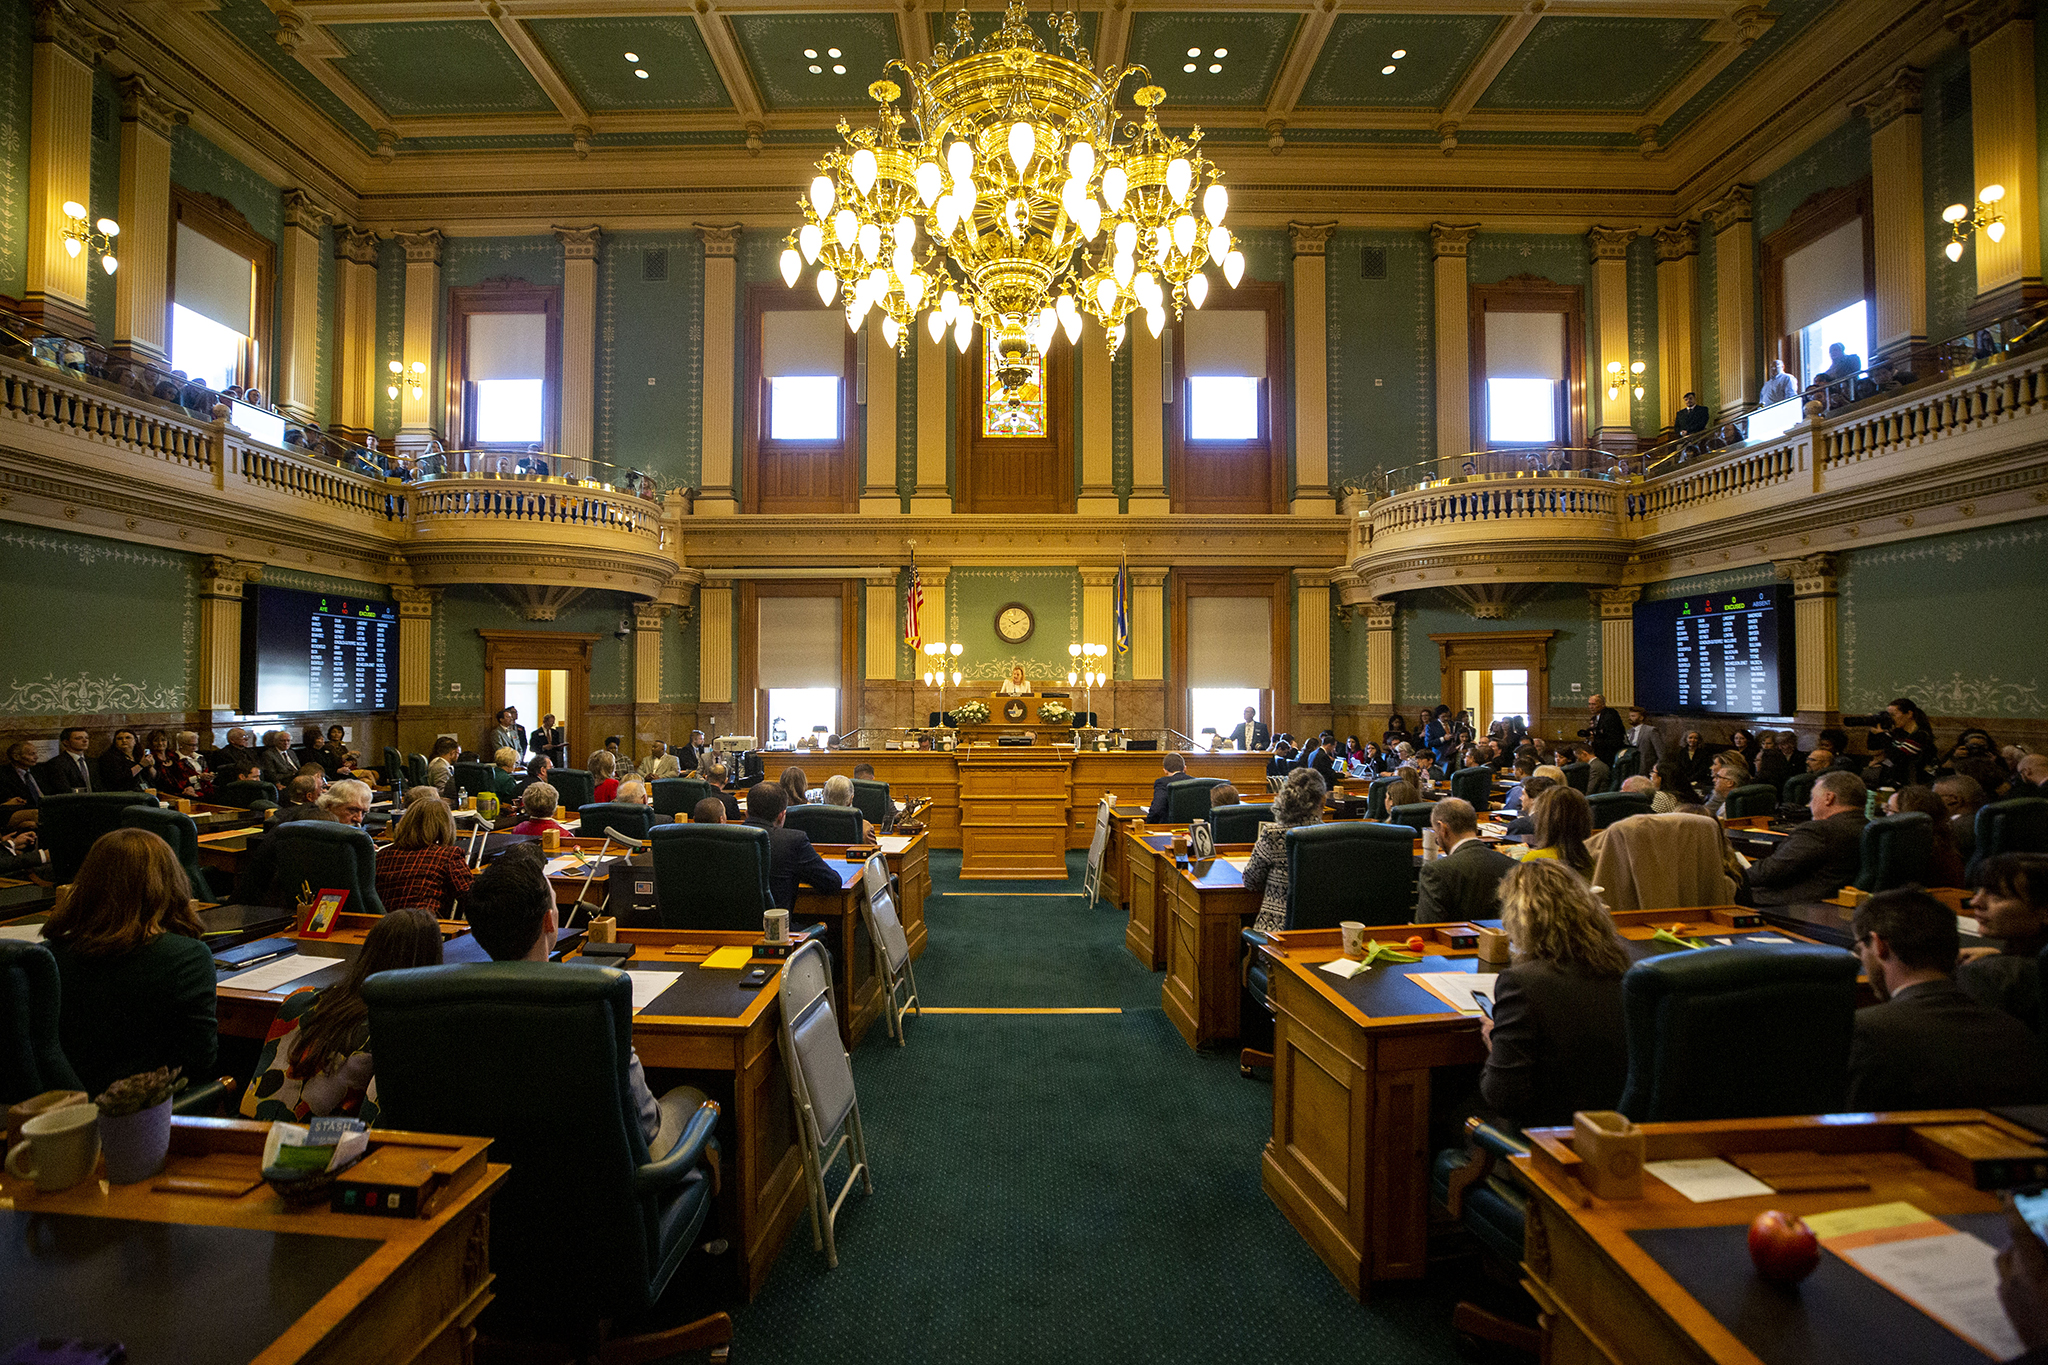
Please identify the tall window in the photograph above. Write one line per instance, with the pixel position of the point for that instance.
(1216, 711)
(798, 652)
(1230, 661)
(1848, 326)
(1818, 279)
(1004, 415)
(801, 451)
(504, 365)
(1226, 423)
(219, 294)
(1525, 378)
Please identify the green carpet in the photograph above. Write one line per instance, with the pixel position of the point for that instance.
(1058, 1185)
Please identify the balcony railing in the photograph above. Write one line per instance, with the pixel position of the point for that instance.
(490, 500)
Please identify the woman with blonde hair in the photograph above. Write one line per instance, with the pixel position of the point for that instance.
(604, 770)
(1555, 1043)
(1563, 820)
(509, 780)
(1298, 802)
(423, 865)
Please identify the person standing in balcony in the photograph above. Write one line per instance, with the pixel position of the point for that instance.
(1692, 418)
(1779, 387)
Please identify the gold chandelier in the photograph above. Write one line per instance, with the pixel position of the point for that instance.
(1018, 208)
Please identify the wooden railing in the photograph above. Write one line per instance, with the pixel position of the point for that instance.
(1494, 498)
(496, 500)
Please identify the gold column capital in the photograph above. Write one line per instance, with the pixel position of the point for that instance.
(1736, 205)
(1310, 239)
(73, 32)
(357, 246)
(1812, 576)
(649, 616)
(141, 103)
(1451, 239)
(422, 248)
(301, 212)
(1148, 578)
(1678, 241)
(1379, 613)
(1609, 244)
(880, 580)
(1894, 97)
(1098, 578)
(1616, 604)
(1313, 578)
(579, 243)
(415, 602)
(224, 576)
(719, 241)
(1976, 20)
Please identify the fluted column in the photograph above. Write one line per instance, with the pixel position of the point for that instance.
(579, 340)
(356, 372)
(1098, 466)
(142, 284)
(416, 644)
(1379, 654)
(1617, 643)
(1098, 609)
(881, 633)
(1615, 425)
(1448, 243)
(1311, 373)
(1898, 229)
(1148, 625)
(1311, 640)
(1148, 431)
(931, 617)
(298, 322)
(1734, 301)
(419, 418)
(1678, 285)
(879, 496)
(714, 645)
(59, 167)
(647, 622)
(2004, 139)
(716, 496)
(220, 631)
(1816, 672)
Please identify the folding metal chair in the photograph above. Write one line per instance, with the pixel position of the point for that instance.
(1274, 784)
(821, 1085)
(892, 947)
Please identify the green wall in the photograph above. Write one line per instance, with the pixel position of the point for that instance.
(1840, 158)
(106, 196)
(1562, 607)
(650, 352)
(120, 625)
(390, 330)
(1645, 412)
(458, 672)
(1946, 166)
(1053, 596)
(17, 32)
(1382, 354)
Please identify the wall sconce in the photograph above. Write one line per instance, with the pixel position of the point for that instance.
(417, 380)
(77, 237)
(937, 651)
(1614, 379)
(1963, 220)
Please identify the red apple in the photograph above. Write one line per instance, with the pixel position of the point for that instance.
(1782, 1248)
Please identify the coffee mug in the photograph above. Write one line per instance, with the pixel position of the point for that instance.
(775, 926)
(64, 1143)
(40, 1104)
(1354, 937)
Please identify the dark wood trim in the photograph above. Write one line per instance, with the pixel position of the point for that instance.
(1821, 213)
(504, 296)
(542, 649)
(755, 442)
(1530, 294)
(1276, 701)
(213, 217)
(751, 700)
(1464, 651)
(970, 446)
(1250, 296)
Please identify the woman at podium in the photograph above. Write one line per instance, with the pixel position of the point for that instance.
(1015, 685)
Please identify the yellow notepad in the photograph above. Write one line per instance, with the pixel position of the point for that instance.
(730, 956)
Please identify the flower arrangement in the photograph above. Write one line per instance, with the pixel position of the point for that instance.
(973, 712)
(1053, 711)
(147, 1090)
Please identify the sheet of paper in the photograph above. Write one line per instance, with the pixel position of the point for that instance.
(1948, 1275)
(1455, 988)
(1706, 1179)
(270, 976)
(730, 956)
(25, 933)
(1765, 938)
(1237, 860)
(648, 986)
(569, 864)
(1868, 1218)
(1968, 926)
(893, 843)
(1344, 967)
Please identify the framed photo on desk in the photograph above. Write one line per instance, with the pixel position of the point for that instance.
(321, 914)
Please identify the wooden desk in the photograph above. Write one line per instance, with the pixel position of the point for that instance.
(414, 1297)
(1208, 907)
(1606, 1297)
(1348, 1162)
(1013, 814)
(1147, 863)
(853, 954)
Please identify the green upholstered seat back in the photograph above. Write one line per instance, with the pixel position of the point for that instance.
(1474, 785)
(1628, 763)
(1354, 869)
(475, 777)
(573, 786)
(1799, 788)
(31, 1057)
(627, 817)
(872, 800)
(394, 766)
(1188, 799)
(711, 876)
(321, 855)
(415, 770)
(245, 794)
(1722, 1033)
(1579, 775)
(825, 824)
(1898, 850)
(1237, 824)
(1756, 798)
(1611, 806)
(680, 795)
(69, 822)
(1376, 797)
(1412, 814)
(2019, 825)
(181, 834)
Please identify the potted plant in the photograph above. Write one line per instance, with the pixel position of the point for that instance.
(135, 1123)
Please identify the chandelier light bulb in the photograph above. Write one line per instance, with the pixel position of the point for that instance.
(963, 330)
(1198, 288)
(1122, 267)
(1155, 322)
(1990, 194)
(900, 261)
(1637, 368)
(391, 390)
(419, 367)
(397, 368)
(109, 264)
(1995, 230)
(863, 169)
(1180, 177)
(930, 180)
(1184, 234)
(1954, 251)
(1639, 393)
(935, 323)
(1116, 336)
(1090, 218)
(870, 242)
(960, 160)
(828, 286)
(1146, 287)
(1162, 245)
(792, 265)
(1215, 203)
(1953, 213)
(1081, 161)
(890, 331)
(71, 245)
(1614, 367)
(823, 196)
(949, 304)
(1105, 296)
(73, 209)
(949, 216)
(113, 229)
(1114, 185)
(1070, 322)
(1072, 195)
(1126, 237)
(1023, 142)
(1233, 267)
(418, 393)
(845, 227)
(906, 231)
(914, 288)
(1219, 243)
(810, 239)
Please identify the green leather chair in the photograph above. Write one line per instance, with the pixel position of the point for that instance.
(1707, 1031)
(678, 796)
(1474, 785)
(70, 821)
(322, 855)
(1188, 799)
(872, 800)
(1898, 850)
(394, 766)
(711, 876)
(1414, 814)
(1579, 776)
(1798, 788)
(2019, 825)
(573, 785)
(415, 770)
(182, 835)
(589, 1227)
(825, 824)
(1628, 762)
(1237, 824)
(1376, 797)
(1611, 806)
(1756, 798)
(629, 818)
(475, 778)
(245, 795)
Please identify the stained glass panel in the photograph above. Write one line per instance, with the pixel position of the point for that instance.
(1002, 417)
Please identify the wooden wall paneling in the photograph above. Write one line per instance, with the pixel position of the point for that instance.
(1234, 477)
(795, 476)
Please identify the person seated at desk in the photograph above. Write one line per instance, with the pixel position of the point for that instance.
(1730, 772)
(347, 801)
(1671, 781)
(1405, 789)
(791, 859)
(1555, 1044)
(1224, 794)
(1523, 827)
(539, 803)
(1174, 768)
(507, 781)
(512, 916)
(1962, 796)
(1015, 685)
(1927, 1044)
(2010, 903)
(1560, 823)
(423, 865)
(183, 774)
(839, 792)
(335, 755)
(709, 811)
(136, 980)
(661, 763)
(1525, 768)
(316, 1059)
(1945, 868)
(1324, 760)
(1283, 760)
(280, 764)
(441, 766)
(795, 785)
(1460, 884)
(1820, 857)
(1298, 802)
(604, 772)
(302, 801)
(1596, 769)
(18, 853)
(865, 772)
(21, 796)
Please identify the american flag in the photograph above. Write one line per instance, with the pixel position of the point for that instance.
(913, 603)
(1123, 607)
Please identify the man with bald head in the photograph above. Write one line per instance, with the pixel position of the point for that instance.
(1605, 733)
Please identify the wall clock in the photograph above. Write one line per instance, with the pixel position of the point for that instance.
(1014, 623)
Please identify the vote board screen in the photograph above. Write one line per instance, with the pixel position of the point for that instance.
(316, 651)
(1725, 653)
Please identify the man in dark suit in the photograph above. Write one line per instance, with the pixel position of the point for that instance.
(1176, 768)
(234, 751)
(791, 859)
(1820, 857)
(1928, 1045)
(70, 770)
(551, 741)
(1324, 759)
(1692, 418)
(20, 793)
(1464, 883)
(1605, 733)
(1252, 735)
(1282, 761)
(689, 755)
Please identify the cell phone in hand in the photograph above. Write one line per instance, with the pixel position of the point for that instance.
(1484, 1001)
